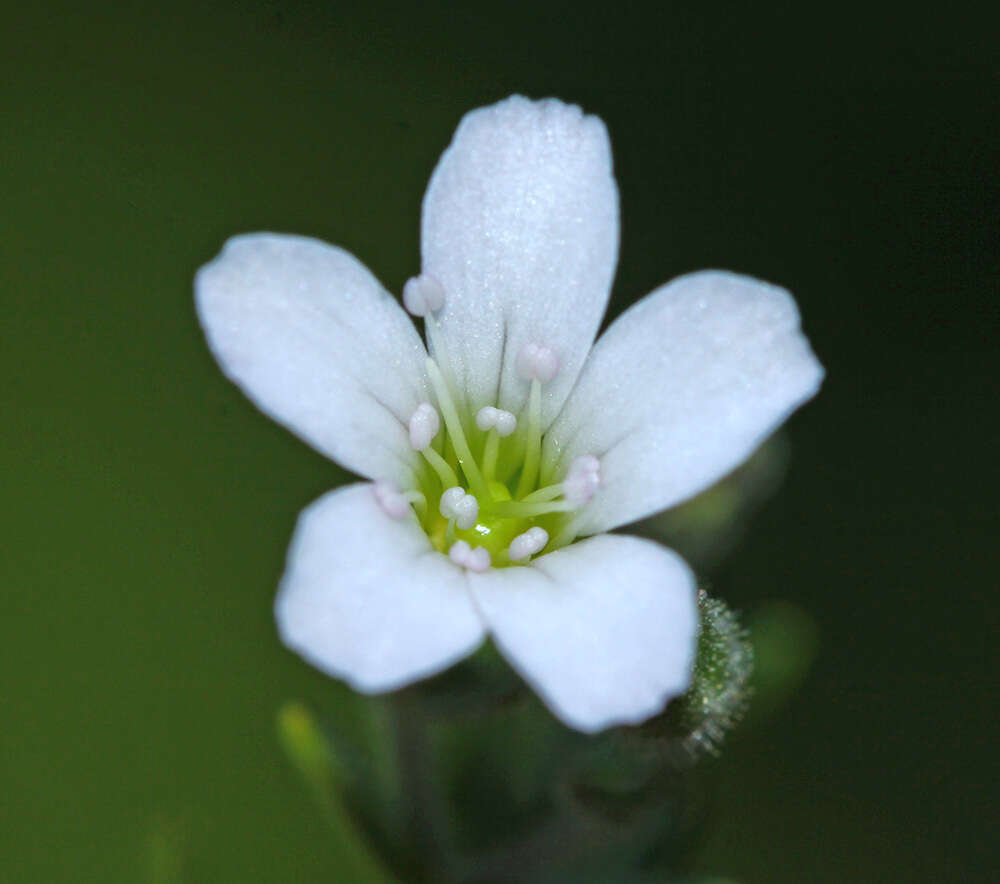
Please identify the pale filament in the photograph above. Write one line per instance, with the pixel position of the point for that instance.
(462, 508)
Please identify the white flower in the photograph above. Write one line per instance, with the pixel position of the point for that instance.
(499, 463)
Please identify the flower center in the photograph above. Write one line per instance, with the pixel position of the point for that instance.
(478, 495)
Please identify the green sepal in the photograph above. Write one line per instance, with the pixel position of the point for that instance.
(720, 684)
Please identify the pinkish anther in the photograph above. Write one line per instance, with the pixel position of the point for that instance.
(537, 362)
(422, 295)
(390, 499)
(582, 480)
(462, 554)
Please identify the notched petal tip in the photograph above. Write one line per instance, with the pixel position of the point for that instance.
(563, 125)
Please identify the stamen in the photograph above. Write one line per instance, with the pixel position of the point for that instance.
(533, 441)
(422, 295)
(566, 536)
(462, 554)
(526, 545)
(491, 453)
(518, 509)
(486, 418)
(454, 426)
(582, 480)
(393, 503)
(478, 560)
(445, 473)
(424, 426)
(506, 423)
(490, 418)
(418, 500)
(549, 492)
(458, 505)
(500, 423)
(537, 362)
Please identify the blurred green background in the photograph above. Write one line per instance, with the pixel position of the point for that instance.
(849, 154)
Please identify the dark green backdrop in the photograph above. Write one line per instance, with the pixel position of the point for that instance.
(848, 153)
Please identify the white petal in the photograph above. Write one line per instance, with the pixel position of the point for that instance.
(604, 630)
(520, 226)
(680, 390)
(366, 599)
(313, 339)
